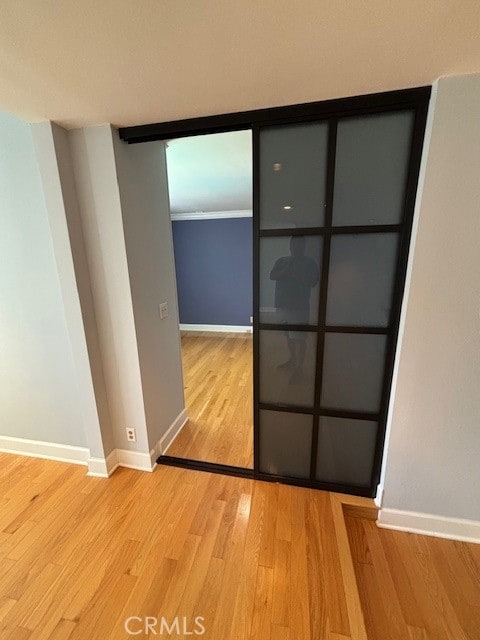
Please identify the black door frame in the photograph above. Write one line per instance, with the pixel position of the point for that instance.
(331, 111)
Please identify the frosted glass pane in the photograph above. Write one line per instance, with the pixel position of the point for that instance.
(293, 160)
(287, 367)
(353, 366)
(289, 279)
(371, 168)
(346, 450)
(285, 443)
(361, 279)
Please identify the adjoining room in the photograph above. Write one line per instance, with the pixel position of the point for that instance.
(210, 189)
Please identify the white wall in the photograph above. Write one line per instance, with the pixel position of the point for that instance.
(142, 179)
(432, 462)
(39, 392)
(101, 214)
(54, 161)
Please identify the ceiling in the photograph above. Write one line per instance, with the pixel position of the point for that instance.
(210, 173)
(82, 62)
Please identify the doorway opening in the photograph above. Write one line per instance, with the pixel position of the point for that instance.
(210, 190)
(334, 187)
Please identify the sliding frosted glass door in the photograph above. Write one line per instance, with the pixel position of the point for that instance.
(333, 218)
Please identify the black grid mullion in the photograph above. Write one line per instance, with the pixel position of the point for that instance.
(256, 296)
(366, 228)
(331, 328)
(272, 326)
(297, 231)
(327, 231)
(322, 304)
(288, 408)
(349, 413)
(332, 413)
(314, 328)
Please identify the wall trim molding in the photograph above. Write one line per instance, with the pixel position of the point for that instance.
(221, 328)
(378, 500)
(211, 215)
(46, 450)
(97, 467)
(171, 433)
(103, 467)
(134, 460)
(430, 525)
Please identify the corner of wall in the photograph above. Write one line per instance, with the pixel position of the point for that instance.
(54, 163)
(408, 278)
(143, 187)
(430, 470)
(96, 181)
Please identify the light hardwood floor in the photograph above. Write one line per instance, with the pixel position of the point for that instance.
(218, 379)
(257, 560)
(415, 587)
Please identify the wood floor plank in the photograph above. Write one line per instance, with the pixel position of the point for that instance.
(301, 600)
(375, 616)
(354, 608)
(256, 560)
(316, 580)
(218, 379)
(416, 587)
(222, 625)
(284, 513)
(16, 633)
(358, 540)
(6, 604)
(397, 627)
(281, 583)
(336, 604)
(267, 541)
(279, 633)
(63, 630)
(245, 600)
(207, 602)
(196, 551)
(263, 604)
(187, 606)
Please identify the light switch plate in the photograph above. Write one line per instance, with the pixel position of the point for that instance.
(163, 310)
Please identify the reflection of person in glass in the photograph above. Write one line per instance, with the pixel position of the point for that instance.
(295, 276)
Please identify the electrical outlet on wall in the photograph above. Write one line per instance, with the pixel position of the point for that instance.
(251, 319)
(163, 308)
(131, 434)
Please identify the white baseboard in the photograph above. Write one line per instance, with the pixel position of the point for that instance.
(46, 450)
(223, 328)
(97, 467)
(103, 467)
(430, 525)
(172, 432)
(135, 460)
(378, 500)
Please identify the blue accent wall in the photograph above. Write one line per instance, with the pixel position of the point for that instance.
(213, 261)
